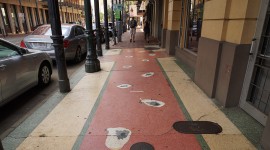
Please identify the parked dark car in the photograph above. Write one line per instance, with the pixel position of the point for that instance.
(74, 41)
(21, 69)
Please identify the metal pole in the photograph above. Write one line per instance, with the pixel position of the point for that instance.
(119, 25)
(128, 16)
(37, 14)
(106, 25)
(1, 145)
(113, 26)
(57, 38)
(92, 64)
(24, 21)
(98, 30)
(123, 17)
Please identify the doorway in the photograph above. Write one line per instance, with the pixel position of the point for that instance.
(255, 96)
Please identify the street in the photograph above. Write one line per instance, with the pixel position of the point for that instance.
(16, 111)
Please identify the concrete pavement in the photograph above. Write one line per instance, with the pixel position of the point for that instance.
(136, 97)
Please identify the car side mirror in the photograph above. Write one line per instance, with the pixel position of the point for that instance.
(23, 51)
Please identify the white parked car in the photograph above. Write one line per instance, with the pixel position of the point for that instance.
(20, 70)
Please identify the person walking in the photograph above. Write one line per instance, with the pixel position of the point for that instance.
(133, 25)
(146, 30)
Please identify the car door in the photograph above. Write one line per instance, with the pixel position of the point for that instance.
(17, 70)
(79, 35)
(0, 88)
(83, 39)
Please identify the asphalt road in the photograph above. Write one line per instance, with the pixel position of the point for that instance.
(15, 112)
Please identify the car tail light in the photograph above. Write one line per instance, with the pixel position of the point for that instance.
(66, 43)
(23, 44)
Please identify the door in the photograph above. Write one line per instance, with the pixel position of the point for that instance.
(255, 96)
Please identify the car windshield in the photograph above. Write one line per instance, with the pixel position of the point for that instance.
(46, 30)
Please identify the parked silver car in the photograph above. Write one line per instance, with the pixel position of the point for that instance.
(74, 41)
(20, 70)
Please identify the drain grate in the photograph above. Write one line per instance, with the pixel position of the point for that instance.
(142, 146)
(197, 127)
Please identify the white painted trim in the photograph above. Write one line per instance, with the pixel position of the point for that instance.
(259, 116)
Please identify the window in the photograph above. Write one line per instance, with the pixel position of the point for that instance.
(191, 24)
(78, 31)
(7, 50)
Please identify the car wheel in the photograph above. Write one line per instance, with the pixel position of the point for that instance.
(78, 56)
(44, 74)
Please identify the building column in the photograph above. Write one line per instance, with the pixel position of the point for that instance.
(33, 16)
(27, 18)
(20, 19)
(2, 26)
(223, 51)
(173, 26)
(64, 17)
(40, 16)
(44, 16)
(165, 23)
(11, 21)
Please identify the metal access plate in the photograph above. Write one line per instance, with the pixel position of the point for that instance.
(142, 146)
(197, 127)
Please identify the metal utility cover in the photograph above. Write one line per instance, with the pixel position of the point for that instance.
(142, 146)
(197, 127)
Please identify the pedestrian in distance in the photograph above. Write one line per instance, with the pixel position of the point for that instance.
(133, 25)
(146, 30)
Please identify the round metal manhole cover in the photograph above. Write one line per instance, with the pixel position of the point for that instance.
(197, 127)
(142, 146)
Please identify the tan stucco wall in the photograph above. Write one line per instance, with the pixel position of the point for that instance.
(165, 14)
(174, 14)
(32, 5)
(232, 21)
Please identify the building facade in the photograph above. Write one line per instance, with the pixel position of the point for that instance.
(22, 16)
(226, 45)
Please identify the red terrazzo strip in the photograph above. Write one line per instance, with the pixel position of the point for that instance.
(122, 108)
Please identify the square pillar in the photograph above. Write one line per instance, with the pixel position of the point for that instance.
(11, 21)
(20, 19)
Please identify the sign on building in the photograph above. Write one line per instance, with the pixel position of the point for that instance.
(133, 10)
(117, 14)
(117, 7)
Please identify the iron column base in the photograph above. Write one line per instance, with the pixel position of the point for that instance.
(92, 66)
(64, 86)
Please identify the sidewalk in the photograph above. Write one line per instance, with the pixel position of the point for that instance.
(136, 97)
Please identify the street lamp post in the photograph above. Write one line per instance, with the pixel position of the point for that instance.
(113, 26)
(92, 64)
(1, 146)
(106, 25)
(119, 25)
(98, 30)
(57, 38)
(123, 17)
(128, 17)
